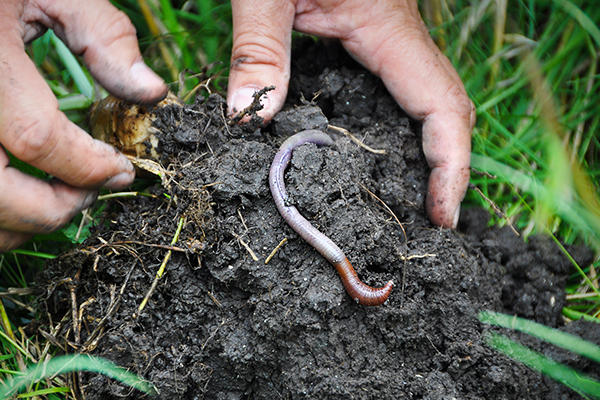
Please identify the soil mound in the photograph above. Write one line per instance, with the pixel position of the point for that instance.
(222, 325)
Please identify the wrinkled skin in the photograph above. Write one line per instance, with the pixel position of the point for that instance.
(35, 131)
(387, 36)
(391, 40)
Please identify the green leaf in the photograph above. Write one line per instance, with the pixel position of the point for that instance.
(40, 48)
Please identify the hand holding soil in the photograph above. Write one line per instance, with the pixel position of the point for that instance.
(34, 130)
(391, 40)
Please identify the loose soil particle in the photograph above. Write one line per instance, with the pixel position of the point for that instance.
(221, 325)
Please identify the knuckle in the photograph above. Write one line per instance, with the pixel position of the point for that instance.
(121, 26)
(10, 240)
(458, 101)
(54, 223)
(466, 109)
(31, 139)
(108, 33)
(257, 53)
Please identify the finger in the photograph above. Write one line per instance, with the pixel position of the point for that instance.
(426, 85)
(29, 205)
(449, 156)
(11, 240)
(35, 131)
(106, 39)
(262, 34)
(32, 206)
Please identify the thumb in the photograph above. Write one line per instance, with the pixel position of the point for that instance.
(423, 81)
(262, 36)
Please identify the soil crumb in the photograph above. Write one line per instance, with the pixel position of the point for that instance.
(221, 324)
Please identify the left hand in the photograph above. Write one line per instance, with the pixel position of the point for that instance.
(35, 131)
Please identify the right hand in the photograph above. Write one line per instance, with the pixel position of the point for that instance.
(391, 40)
(34, 130)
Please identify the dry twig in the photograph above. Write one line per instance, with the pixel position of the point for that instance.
(355, 139)
(246, 246)
(389, 210)
(254, 107)
(496, 209)
(275, 250)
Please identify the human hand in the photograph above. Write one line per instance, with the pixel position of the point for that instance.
(391, 40)
(34, 130)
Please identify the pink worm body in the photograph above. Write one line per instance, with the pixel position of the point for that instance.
(363, 294)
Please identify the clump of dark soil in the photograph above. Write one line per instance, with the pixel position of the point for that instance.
(222, 325)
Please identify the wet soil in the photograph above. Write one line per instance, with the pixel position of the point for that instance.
(222, 325)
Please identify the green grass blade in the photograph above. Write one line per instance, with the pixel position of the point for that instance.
(561, 373)
(574, 263)
(575, 315)
(10, 372)
(500, 129)
(569, 210)
(501, 96)
(33, 253)
(66, 364)
(79, 77)
(74, 102)
(13, 344)
(44, 392)
(554, 336)
(584, 20)
(57, 89)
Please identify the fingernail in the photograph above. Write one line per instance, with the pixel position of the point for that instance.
(125, 163)
(144, 76)
(244, 96)
(119, 181)
(456, 216)
(89, 200)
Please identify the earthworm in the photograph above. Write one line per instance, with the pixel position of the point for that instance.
(360, 292)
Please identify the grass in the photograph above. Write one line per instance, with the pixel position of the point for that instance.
(576, 380)
(536, 99)
(530, 66)
(178, 39)
(65, 364)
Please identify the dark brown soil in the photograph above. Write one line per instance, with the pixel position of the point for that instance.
(222, 326)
